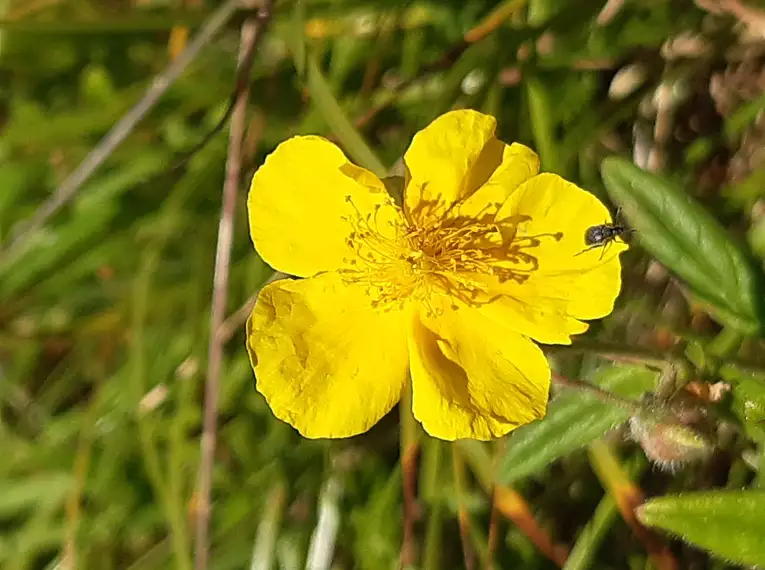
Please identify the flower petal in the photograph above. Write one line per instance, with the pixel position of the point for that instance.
(518, 164)
(302, 201)
(474, 378)
(533, 313)
(327, 363)
(587, 294)
(566, 285)
(554, 215)
(441, 157)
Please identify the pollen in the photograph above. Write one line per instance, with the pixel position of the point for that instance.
(399, 261)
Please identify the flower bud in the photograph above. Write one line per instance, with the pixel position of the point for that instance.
(669, 445)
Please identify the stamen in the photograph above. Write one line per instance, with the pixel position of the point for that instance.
(402, 259)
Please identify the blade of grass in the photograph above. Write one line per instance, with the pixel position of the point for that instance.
(141, 295)
(431, 493)
(494, 20)
(628, 496)
(543, 125)
(463, 517)
(338, 121)
(593, 534)
(409, 450)
(325, 101)
(510, 503)
(268, 530)
(119, 132)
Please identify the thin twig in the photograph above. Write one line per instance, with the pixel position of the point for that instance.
(507, 501)
(663, 415)
(447, 59)
(69, 559)
(242, 83)
(236, 319)
(628, 496)
(252, 31)
(603, 395)
(119, 132)
(514, 507)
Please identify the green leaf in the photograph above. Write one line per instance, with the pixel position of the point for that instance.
(543, 124)
(688, 241)
(328, 105)
(46, 492)
(744, 116)
(333, 113)
(592, 535)
(93, 210)
(450, 88)
(375, 523)
(573, 420)
(748, 400)
(730, 524)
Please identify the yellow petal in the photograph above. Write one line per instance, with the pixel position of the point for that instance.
(473, 377)
(518, 164)
(440, 159)
(555, 214)
(586, 294)
(327, 363)
(565, 286)
(302, 202)
(534, 313)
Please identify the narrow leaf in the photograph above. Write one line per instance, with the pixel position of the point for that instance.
(543, 124)
(688, 240)
(592, 535)
(744, 116)
(628, 495)
(748, 401)
(44, 492)
(573, 420)
(730, 524)
(338, 121)
(94, 210)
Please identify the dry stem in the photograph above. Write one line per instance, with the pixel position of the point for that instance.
(252, 31)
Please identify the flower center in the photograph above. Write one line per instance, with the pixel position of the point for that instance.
(399, 261)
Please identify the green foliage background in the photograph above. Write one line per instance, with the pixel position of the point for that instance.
(104, 318)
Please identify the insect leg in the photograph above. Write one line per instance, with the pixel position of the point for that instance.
(586, 249)
(602, 253)
(621, 238)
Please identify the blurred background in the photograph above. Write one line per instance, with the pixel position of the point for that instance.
(105, 304)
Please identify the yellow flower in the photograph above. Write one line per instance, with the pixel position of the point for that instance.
(448, 289)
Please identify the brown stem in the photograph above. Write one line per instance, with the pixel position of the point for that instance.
(599, 393)
(252, 31)
(628, 497)
(513, 506)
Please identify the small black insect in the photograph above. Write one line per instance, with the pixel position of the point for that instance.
(603, 235)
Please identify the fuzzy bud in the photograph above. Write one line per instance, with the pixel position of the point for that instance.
(669, 445)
